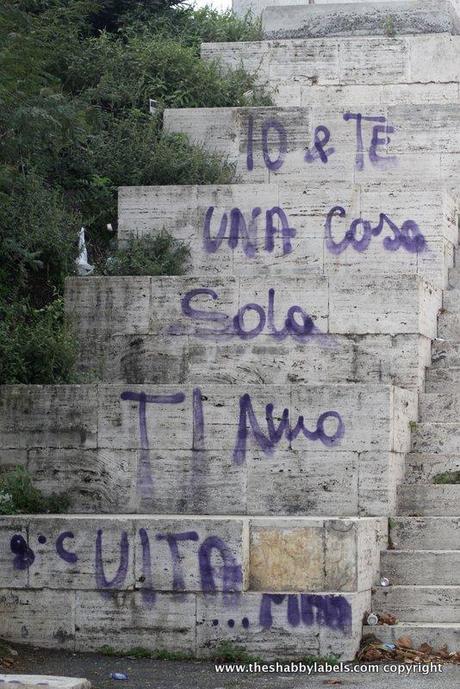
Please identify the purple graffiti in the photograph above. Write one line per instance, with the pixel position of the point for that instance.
(298, 324)
(172, 540)
(246, 233)
(118, 580)
(320, 152)
(144, 473)
(331, 611)
(147, 590)
(248, 422)
(231, 572)
(24, 556)
(376, 141)
(64, 554)
(268, 126)
(409, 236)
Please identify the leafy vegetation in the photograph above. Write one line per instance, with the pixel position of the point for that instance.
(447, 478)
(140, 652)
(157, 255)
(77, 76)
(18, 496)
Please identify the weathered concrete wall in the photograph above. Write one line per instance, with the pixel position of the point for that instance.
(372, 70)
(257, 450)
(359, 19)
(285, 229)
(306, 146)
(186, 584)
(241, 7)
(305, 330)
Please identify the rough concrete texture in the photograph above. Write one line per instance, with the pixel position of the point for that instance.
(12, 681)
(435, 604)
(359, 19)
(294, 68)
(191, 554)
(93, 443)
(256, 7)
(121, 607)
(294, 228)
(347, 327)
(271, 144)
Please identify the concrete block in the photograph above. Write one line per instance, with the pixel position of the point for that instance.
(41, 617)
(293, 482)
(437, 635)
(423, 468)
(279, 625)
(352, 308)
(425, 533)
(421, 567)
(125, 621)
(121, 553)
(435, 604)
(48, 416)
(435, 438)
(211, 449)
(358, 19)
(12, 681)
(303, 228)
(428, 500)
(253, 138)
(300, 555)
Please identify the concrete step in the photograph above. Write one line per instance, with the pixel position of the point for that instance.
(421, 567)
(216, 449)
(243, 229)
(285, 144)
(344, 327)
(444, 381)
(429, 500)
(436, 438)
(449, 326)
(454, 275)
(436, 635)
(11, 681)
(451, 300)
(445, 354)
(295, 69)
(423, 468)
(363, 19)
(441, 407)
(419, 603)
(187, 583)
(425, 533)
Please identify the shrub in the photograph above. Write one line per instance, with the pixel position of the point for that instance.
(18, 496)
(157, 255)
(75, 125)
(36, 346)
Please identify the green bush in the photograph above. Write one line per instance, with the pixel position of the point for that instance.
(18, 496)
(77, 77)
(158, 255)
(36, 345)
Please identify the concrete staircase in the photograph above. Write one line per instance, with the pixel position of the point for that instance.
(423, 562)
(257, 421)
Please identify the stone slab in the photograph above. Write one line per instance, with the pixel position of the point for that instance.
(359, 19)
(419, 603)
(295, 228)
(421, 567)
(12, 681)
(188, 455)
(271, 144)
(425, 533)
